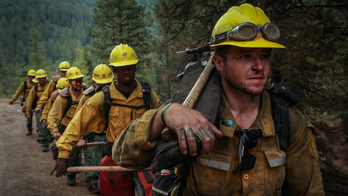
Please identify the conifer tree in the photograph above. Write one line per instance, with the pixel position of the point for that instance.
(81, 63)
(36, 58)
(119, 21)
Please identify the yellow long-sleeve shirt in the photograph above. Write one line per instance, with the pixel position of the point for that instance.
(213, 174)
(21, 89)
(55, 116)
(33, 94)
(91, 117)
(48, 107)
(47, 93)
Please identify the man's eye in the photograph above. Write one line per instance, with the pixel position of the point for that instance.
(247, 56)
(265, 56)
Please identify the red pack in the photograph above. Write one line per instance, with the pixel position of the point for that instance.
(146, 178)
(114, 183)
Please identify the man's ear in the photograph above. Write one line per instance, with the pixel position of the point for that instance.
(219, 63)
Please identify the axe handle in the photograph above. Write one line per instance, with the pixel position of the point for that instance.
(95, 143)
(192, 97)
(100, 169)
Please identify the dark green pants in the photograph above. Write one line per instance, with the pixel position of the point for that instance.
(43, 132)
(29, 124)
(93, 156)
(74, 160)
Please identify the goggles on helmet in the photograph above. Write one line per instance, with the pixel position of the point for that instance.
(76, 81)
(31, 77)
(248, 31)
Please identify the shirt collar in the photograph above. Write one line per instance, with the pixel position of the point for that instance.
(116, 94)
(264, 119)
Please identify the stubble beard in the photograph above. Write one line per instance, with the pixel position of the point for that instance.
(241, 87)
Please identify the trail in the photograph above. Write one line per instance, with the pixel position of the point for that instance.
(24, 169)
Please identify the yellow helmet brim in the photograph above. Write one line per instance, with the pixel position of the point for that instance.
(124, 63)
(256, 43)
(41, 76)
(75, 77)
(64, 69)
(103, 81)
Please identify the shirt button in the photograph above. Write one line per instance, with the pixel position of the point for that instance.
(246, 176)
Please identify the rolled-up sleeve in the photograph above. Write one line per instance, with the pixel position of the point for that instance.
(132, 148)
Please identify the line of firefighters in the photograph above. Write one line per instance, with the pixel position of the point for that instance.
(56, 102)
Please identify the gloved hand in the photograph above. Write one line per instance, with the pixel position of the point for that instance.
(81, 144)
(61, 166)
(56, 135)
(38, 110)
(23, 110)
(11, 102)
(28, 117)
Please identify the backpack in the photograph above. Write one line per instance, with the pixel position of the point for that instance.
(108, 101)
(36, 86)
(69, 99)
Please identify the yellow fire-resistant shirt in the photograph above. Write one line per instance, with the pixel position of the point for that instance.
(47, 93)
(212, 174)
(20, 90)
(91, 117)
(55, 116)
(33, 94)
(46, 111)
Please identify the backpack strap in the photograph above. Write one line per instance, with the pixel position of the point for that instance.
(146, 88)
(25, 85)
(37, 87)
(107, 103)
(146, 94)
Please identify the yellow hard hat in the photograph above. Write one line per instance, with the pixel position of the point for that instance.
(31, 72)
(64, 66)
(40, 74)
(250, 16)
(62, 84)
(102, 74)
(123, 55)
(73, 73)
(35, 80)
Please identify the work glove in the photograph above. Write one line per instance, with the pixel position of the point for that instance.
(61, 166)
(23, 110)
(28, 117)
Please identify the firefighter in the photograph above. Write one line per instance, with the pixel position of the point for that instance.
(127, 97)
(25, 87)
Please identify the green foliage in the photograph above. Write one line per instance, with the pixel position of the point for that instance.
(36, 60)
(81, 62)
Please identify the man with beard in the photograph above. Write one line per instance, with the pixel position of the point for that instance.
(128, 103)
(25, 87)
(243, 157)
(63, 110)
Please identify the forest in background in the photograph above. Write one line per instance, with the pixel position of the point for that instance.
(42, 33)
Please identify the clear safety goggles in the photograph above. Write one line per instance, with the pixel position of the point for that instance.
(248, 31)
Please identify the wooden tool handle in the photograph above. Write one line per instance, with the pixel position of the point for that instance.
(95, 143)
(101, 169)
(192, 97)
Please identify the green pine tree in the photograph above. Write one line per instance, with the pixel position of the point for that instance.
(36, 58)
(81, 63)
(119, 21)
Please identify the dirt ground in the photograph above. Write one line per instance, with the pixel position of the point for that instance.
(24, 169)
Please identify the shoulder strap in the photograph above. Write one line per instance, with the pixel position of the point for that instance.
(36, 87)
(107, 102)
(146, 94)
(25, 85)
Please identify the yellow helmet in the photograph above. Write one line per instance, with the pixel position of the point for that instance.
(123, 55)
(73, 73)
(62, 84)
(35, 80)
(64, 66)
(102, 74)
(226, 32)
(31, 72)
(40, 74)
